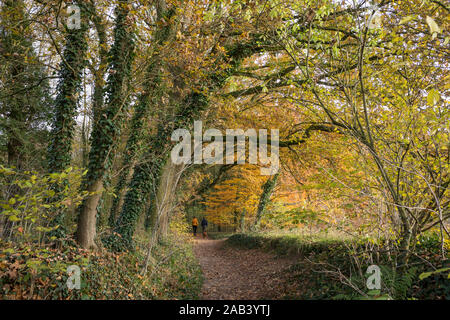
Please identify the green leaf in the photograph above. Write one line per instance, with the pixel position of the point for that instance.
(13, 218)
(373, 293)
(425, 275)
(384, 297)
(406, 19)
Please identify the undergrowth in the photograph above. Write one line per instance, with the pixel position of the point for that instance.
(28, 272)
(332, 268)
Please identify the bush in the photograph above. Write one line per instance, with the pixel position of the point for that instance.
(30, 203)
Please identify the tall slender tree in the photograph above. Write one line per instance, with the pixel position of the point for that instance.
(148, 101)
(69, 87)
(107, 128)
(68, 92)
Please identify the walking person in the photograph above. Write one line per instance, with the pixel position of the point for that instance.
(194, 226)
(204, 225)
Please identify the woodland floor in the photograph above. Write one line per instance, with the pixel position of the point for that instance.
(242, 274)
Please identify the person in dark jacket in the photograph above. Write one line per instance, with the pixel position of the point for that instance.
(204, 225)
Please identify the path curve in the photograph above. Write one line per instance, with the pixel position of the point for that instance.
(241, 274)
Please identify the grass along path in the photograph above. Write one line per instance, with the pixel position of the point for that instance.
(240, 274)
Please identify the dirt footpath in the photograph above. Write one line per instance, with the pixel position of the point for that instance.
(239, 274)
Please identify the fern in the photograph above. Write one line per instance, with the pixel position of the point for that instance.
(398, 283)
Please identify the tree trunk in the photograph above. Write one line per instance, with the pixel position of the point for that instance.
(149, 99)
(243, 220)
(120, 192)
(71, 69)
(268, 188)
(165, 197)
(86, 230)
(107, 129)
(150, 219)
(163, 206)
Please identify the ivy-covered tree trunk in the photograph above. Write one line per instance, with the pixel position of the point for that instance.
(119, 190)
(153, 86)
(69, 87)
(98, 71)
(102, 66)
(142, 113)
(108, 126)
(268, 188)
(63, 125)
(138, 190)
